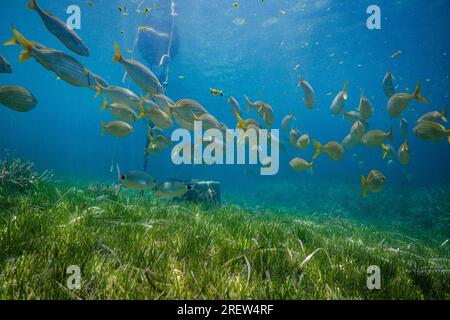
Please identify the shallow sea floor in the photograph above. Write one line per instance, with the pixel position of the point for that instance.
(130, 246)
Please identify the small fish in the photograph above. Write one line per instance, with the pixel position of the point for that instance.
(332, 149)
(400, 101)
(374, 183)
(308, 92)
(286, 121)
(388, 84)
(236, 4)
(431, 130)
(5, 66)
(59, 29)
(301, 165)
(396, 53)
(216, 92)
(387, 151)
(17, 98)
(376, 138)
(116, 128)
(91, 4)
(435, 116)
(120, 111)
(172, 189)
(143, 76)
(403, 154)
(365, 107)
(404, 128)
(136, 180)
(338, 103)
(283, 12)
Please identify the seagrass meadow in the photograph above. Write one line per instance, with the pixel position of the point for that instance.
(131, 246)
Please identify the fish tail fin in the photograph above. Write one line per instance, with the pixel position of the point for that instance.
(249, 104)
(117, 53)
(364, 187)
(444, 115)
(390, 134)
(102, 125)
(105, 105)
(99, 89)
(385, 150)
(344, 91)
(32, 5)
(311, 167)
(417, 95)
(319, 149)
(11, 42)
(448, 136)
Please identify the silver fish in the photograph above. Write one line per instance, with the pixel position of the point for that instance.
(136, 180)
(59, 29)
(308, 92)
(338, 103)
(172, 189)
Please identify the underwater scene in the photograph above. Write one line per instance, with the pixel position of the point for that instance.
(254, 149)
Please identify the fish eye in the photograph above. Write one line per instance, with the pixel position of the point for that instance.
(189, 187)
(123, 177)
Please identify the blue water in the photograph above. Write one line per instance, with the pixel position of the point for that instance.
(328, 39)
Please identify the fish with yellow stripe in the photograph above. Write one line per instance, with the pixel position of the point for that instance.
(374, 182)
(66, 67)
(59, 29)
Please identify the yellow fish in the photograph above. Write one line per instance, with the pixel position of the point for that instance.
(301, 165)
